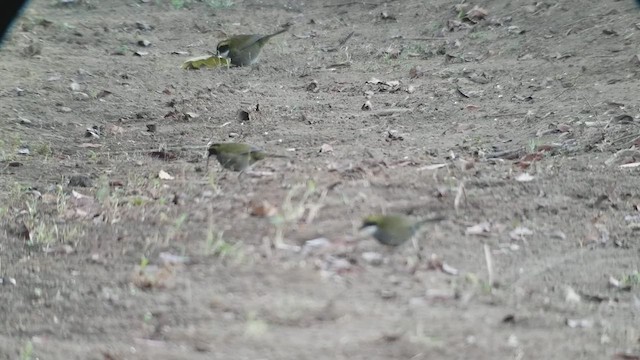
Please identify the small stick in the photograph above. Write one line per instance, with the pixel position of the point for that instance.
(488, 259)
(343, 41)
(461, 193)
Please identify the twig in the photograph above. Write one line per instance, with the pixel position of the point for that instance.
(461, 193)
(489, 261)
(387, 112)
(344, 41)
(418, 38)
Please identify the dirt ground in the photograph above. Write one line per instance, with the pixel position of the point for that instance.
(517, 121)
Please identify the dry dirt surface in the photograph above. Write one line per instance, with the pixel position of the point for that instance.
(516, 120)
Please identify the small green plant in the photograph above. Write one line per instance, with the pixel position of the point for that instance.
(177, 4)
(291, 213)
(136, 201)
(216, 245)
(255, 327)
(147, 317)
(219, 4)
(26, 353)
(121, 50)
(103, 192)
(144, 261)
(177, 225)
(44, 234)
(630, 280)
(44, 149)
(92, 155)
(61, 199)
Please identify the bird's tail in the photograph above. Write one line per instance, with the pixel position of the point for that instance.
(431, 219)
(276, 33)
(277, 156)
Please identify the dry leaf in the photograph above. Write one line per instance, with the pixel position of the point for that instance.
(524, 177)
(165, 175)
(476, 14)
(482, 229)
(262, 209)
(519, 233)
(432, 167)
(90, 145)
(630, 165)
(579, 323)
(115, 129)
(167, 258)
(326, 148)
(206, 61)
(571, 296)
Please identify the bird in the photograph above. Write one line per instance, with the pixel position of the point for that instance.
(244, 50)
(10, 11)
(237, 156)
(394, 230)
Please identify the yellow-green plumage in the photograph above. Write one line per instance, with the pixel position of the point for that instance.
(244, 50)
(237, 156)
(394, 230)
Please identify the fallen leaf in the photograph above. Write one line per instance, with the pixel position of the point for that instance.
(481, 229)
(448, 269)
(626, 356)
(206, 61)
(115, 129)
(167, 258)
(519, 233)
(103, 94)
(326, 148)
(580, 323)
(476, 14)
(165, 175)
(90, 145)
(315, 244)
(385, 16)
(416, 72)
(630, 165)
(524, 177)
(571, 296)
(372, 258)
(163, 155)
(432, 167)
(262, 209)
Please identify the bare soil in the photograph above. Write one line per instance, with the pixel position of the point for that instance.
(514, 126)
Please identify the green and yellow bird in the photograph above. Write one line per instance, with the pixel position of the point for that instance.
(394, 230)
(237, 156)
(244, 50)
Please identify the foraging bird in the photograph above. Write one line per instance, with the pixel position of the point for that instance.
(244, 50)
(394, 230)
(11, 10)
(237, 156)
